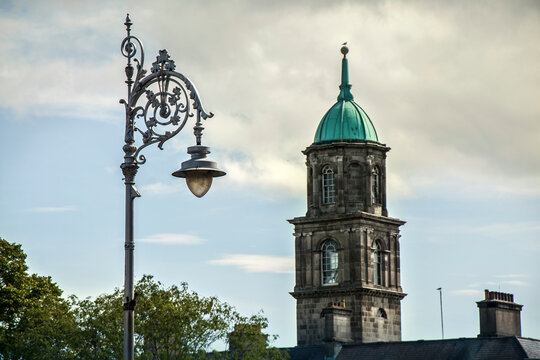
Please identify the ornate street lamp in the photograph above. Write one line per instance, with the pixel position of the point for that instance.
(157, 107)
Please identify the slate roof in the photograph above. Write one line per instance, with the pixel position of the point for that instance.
(306, 353)
(502, 348)
(531, 347)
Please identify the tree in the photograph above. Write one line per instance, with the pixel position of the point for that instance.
(170, 322)
(12, 275)
(35, 321)
(100, 325)
(248, 342)
(176, 323)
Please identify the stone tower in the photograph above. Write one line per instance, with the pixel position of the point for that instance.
(346, 247)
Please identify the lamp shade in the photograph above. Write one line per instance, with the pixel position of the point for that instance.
(198, 171)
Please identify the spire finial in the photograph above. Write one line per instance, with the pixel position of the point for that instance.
(345, 87)
(344, 49)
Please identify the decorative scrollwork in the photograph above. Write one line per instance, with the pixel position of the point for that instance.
(129, 47)
(158, 104)
(163, 62)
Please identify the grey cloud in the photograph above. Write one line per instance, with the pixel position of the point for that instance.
(451, 86)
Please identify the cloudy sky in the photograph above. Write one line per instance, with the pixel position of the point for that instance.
(452, 88)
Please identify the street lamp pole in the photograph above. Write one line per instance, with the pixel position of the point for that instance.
(157, 107)
(442, 324)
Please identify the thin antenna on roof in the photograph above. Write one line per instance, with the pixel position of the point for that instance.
(442, 324)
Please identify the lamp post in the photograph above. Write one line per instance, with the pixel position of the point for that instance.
(442, 324)
(157, 108)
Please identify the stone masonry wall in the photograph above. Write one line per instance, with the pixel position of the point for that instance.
(365, 325)
(352, 165)
(357, 221)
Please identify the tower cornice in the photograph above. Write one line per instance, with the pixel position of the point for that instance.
(346, 144)
(361, 215)
(335, 291)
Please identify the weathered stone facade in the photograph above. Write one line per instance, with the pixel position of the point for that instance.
(363, 271)
(353, 165)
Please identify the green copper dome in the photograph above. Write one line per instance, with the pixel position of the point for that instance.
(346, 120)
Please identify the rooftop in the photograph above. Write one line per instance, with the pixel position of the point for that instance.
(499, 348)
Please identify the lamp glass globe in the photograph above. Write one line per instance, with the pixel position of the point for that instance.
(199, 182)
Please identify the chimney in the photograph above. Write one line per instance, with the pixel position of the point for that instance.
(499, 315)
(337, 327)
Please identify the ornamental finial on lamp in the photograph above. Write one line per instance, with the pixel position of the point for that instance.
(128, 22)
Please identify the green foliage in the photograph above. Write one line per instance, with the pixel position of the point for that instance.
(35, 321)
(176, 323)
(12, 275)
(248, 342)
(170, 322)
(100, 324)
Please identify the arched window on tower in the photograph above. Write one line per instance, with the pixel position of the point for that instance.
(381, 314)
(377, 264)
(330, 263)
(328, 189)
(376, 185)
